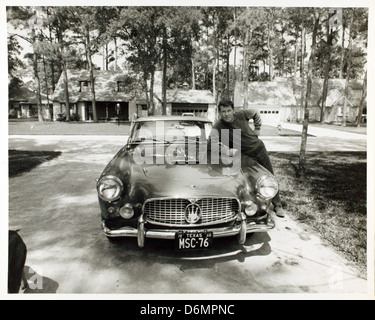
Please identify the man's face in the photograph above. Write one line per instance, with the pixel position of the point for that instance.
(227, 113)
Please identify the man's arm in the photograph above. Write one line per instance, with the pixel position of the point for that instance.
(252, 114)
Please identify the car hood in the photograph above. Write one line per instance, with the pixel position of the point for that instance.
(145, 181)
(192, 180)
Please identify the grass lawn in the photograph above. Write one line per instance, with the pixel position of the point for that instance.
(67, 128)
(330, 200)
(24, 161)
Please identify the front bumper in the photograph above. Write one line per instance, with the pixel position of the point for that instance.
(141, 233)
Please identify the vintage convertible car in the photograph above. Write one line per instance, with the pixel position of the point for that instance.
(161, 184)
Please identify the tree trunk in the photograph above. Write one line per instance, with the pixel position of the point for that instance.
(36, 76)
(65, 75)
(37, 80)
(341, 76)
(66, 91)
(303, 45)
(106, 56)
(363, 99)
(302, 75)
(270, 57)
(302, 156)
(214, 78)
(235, 53)
(348, 70)
(145, 75)
(295, 59)
(46, 84)
(152, 91)
(52, 66)
(164, 81)
(227, 85)
(91, 72)
(115, 41)
(192, 74)
(246, 68)
(326, 71)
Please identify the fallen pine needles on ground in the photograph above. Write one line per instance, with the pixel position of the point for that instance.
(330, 199)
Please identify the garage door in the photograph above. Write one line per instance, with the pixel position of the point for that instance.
(200, 110)
(271, 115)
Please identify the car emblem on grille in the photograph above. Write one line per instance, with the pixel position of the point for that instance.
(193, 213)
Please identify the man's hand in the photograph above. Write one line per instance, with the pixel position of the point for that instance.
(232, 152)
(257, 132)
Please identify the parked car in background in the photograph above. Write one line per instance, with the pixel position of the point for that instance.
(160, 185)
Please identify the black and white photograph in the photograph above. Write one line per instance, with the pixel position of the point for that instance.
(209, 150)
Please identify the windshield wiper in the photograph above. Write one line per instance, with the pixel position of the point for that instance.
(150, 140)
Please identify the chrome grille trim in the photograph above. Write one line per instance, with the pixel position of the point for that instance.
(171, 211)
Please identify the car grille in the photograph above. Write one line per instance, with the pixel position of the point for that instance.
(171, 212)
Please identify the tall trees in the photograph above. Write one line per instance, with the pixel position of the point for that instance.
(137, 27)
(349, 66)
(27, 18)
(327, 58)
(84, 24)
(14, 62)
(59, 23)
(197, 45)
(363, 100)
(302, 156)
(247, 22)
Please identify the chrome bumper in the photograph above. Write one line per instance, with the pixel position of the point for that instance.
(242, 228)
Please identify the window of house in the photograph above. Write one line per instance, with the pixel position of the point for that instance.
(120, 86)
(84, 86)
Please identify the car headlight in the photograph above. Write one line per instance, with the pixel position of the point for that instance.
(249, 207)
(127, 211)
(267, 187)
(109, 188)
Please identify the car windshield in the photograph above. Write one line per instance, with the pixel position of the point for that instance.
(168, 131)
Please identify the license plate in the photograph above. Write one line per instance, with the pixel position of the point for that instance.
(191, 240)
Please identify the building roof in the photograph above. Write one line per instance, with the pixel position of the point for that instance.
(24, 95)
(166, 118)
(105, 86)
(190, 96)
(287, 92)
(181, 95)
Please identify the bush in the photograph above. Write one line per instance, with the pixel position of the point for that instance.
(75, 117)
(61, 117)
(12, 114)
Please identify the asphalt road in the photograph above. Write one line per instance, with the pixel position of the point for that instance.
(56, 209)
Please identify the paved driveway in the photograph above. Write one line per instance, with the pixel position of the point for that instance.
(56, 208)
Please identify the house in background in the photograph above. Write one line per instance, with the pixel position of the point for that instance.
(280, 100)
(110, 92)
(184, 100)
(23, 103)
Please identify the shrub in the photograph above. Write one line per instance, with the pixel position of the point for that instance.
(61, 117)
(75, 117)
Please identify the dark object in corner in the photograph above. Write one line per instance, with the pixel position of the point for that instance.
(17, 258)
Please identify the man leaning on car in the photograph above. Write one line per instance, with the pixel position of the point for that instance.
(252, 148)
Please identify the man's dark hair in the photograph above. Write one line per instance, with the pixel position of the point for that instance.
(225, 103)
